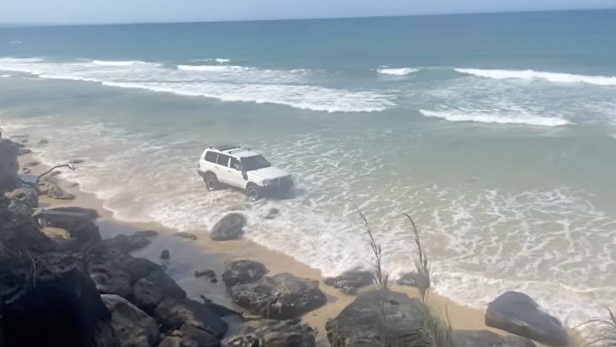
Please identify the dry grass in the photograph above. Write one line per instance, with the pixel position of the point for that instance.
(602, 331)
(421, 263)
(381, 277)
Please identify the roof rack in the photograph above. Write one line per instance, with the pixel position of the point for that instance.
(225, 147)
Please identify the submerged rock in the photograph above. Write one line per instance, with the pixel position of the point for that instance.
(208, 273)
(126, 243)
(230, 227)
(518, 314)
(189, 336)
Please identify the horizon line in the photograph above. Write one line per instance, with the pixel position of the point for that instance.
(27, 25)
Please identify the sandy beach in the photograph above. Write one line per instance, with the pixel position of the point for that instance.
(188, 256)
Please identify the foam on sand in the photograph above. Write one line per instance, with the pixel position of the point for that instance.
(530, 75)
(481, 117)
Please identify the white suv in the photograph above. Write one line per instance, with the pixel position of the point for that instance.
(244, 169)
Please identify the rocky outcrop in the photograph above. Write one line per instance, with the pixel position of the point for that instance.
(173, 314)
(351, 281)
(519, 314)
(413, 279)
(127, 243)
(230, 227)
(242, 271)
(382, 317)
(283, 296)
(9, 166)
(290, 333)
(483, 338)
(48, 300)
(130, 326)
(189, 336)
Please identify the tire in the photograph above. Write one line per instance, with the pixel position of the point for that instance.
(211, 182)
(253, 192)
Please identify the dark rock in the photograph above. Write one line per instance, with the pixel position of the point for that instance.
(209, 273)
(230, 227)
(242, 271)
(24, 141)
(412, 279)
(173, 314)
(63, 308)
(111, 281)
(68, 218)
(131, 326)
(165, 255)
(76, 161)
(9, 167)
(22, 201)
(189, 336)
(150, 291)
(518, 314)
(86, 233)
(290, 333)
(147, 233)
(350, 281)
(381, 318)
(185, 235)
(43, 142)
(33, 163)
(55, 173)
(23, 151)
(273, 213)
(126, 243)
(483, 338)
(25, 170)
(282, 296)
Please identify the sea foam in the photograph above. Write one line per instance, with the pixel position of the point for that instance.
(396, 71)
(120, 63)
(539, 75)
(522, 119)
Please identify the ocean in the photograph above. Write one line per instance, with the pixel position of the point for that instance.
(495, 132)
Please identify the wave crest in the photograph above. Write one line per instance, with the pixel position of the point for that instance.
(530, 75)
(117, 63)
(403, 71)
(522, 119)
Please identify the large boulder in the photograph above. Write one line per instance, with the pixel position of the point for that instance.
(230, 227)
(175, 313)
(189, 336)
(483, 338)
(48, 301)
(282, 296)
(385, 318)
(519, 314)
(242, 271)
(351, 281)
(290, 333)
(150, 291)
(131, 327)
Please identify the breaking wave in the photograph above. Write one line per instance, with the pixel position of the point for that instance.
(521, 119)
(530, 75)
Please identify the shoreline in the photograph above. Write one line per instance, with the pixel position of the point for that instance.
(188, 256)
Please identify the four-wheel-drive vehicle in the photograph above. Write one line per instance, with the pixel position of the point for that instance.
(244, 169)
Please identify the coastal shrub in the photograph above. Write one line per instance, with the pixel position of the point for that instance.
(434, 331)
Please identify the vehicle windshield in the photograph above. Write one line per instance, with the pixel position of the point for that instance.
(255, 163)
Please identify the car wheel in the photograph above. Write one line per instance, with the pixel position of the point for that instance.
(211, 182)
(253, 193)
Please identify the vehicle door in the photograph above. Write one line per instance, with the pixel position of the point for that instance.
(222, 168)
(235, 173)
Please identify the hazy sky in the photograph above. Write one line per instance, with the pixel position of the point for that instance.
(115, 11)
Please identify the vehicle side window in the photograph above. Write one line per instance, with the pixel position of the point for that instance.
(235, 164)
(211, 156)
(223, 160)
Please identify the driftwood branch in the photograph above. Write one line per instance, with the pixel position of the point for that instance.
(68, 165)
